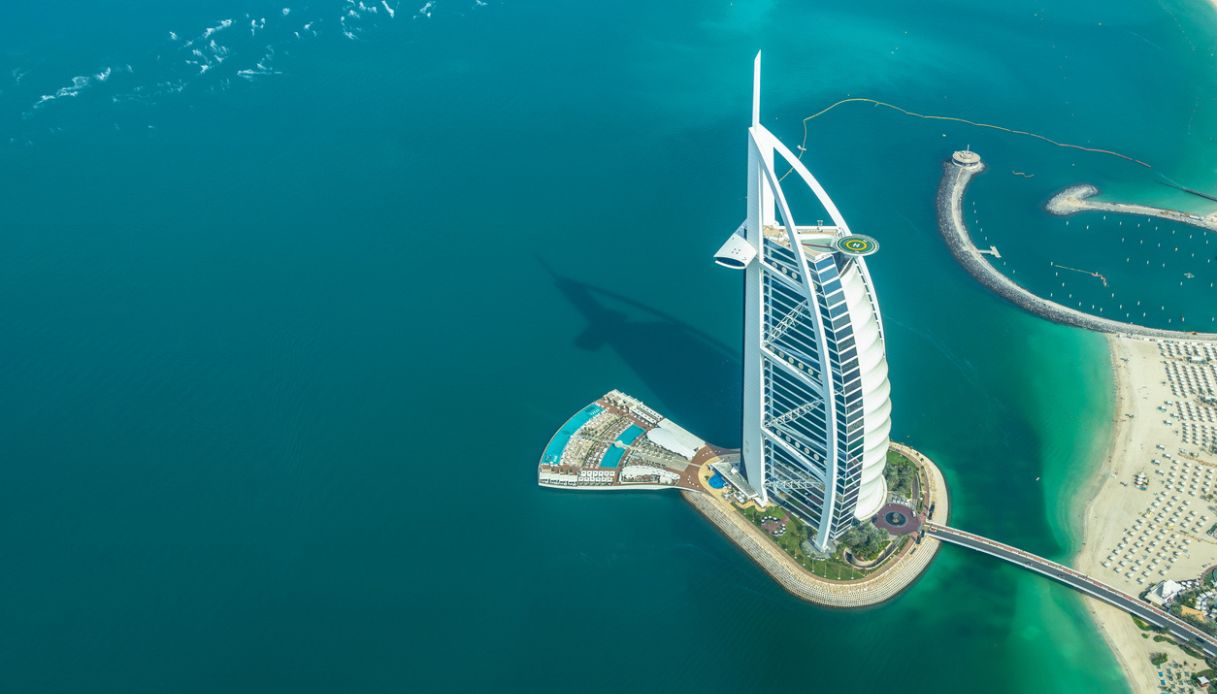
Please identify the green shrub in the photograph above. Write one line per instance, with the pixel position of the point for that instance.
(899, 474)
(865, 541)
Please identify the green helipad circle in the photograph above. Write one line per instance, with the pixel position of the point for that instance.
(857, 245)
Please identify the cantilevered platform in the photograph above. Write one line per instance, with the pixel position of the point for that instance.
(617, 442)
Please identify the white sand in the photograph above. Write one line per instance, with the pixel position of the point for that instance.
(1111, 516)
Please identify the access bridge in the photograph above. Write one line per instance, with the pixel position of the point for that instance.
(1181, 630)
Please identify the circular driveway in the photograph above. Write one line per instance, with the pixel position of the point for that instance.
(898, 519)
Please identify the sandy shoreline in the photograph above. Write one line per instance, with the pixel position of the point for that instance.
(1115, 505)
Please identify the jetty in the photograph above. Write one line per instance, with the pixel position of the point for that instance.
(957, 173)
(1081, 199)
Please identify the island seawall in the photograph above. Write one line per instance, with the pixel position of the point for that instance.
(873, 590)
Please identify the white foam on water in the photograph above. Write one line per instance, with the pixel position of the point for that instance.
(79, 82)
(206, 57)
(224, 24)
(261, 69)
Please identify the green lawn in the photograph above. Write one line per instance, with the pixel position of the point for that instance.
(833, 567)
(899, 474)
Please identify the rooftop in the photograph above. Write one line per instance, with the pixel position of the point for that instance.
(816, 240)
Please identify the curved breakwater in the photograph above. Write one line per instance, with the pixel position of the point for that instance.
(954, 232)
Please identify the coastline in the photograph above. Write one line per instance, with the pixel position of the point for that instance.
(1111, 504)
(1112, 624)
(1145, 519)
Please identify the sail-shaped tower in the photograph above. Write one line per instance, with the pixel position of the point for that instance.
(817, 401)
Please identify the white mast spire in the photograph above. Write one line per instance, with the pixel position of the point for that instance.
(756, 89)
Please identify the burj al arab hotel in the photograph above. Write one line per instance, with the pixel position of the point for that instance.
(817, 405)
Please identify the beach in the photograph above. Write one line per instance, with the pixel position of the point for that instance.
(1150, 502)
(1137, 535)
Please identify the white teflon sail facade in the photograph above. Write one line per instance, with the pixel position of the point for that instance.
(816, 393)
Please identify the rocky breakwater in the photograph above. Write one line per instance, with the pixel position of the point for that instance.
(956, 175)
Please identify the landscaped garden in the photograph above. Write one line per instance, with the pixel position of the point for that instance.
(794, 542)
(900, 473)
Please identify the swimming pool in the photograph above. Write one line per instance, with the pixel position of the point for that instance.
(631, 434)
(612, 457)
(553, 452)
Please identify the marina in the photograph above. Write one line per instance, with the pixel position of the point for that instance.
(958, 172)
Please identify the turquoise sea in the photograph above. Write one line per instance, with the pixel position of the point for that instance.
(289, 317)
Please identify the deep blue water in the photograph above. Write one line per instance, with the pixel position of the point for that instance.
(281, 348)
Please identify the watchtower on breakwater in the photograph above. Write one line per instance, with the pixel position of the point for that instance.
(966, 159)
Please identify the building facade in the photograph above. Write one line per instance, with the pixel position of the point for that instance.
(816, 394)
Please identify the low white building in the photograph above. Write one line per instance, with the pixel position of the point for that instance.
(673, 437)
(649, 472)
(1164, 592)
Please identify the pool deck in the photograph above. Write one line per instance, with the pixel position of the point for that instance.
(608, 449)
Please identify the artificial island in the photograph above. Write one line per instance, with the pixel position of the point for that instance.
(817, 495)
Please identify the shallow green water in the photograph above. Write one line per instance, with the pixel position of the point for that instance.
(281, 353)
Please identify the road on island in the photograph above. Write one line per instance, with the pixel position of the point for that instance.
(1181, 630)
